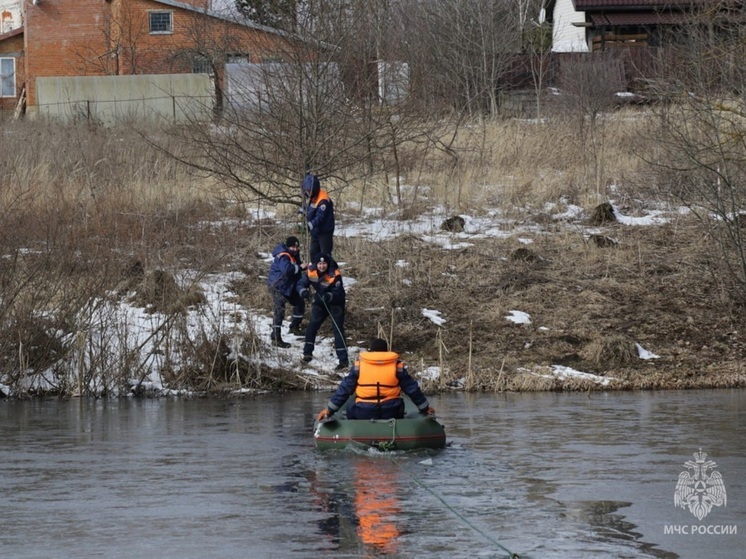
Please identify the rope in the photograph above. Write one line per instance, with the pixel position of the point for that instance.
(390, 445)
(460, 516)
(334, 322)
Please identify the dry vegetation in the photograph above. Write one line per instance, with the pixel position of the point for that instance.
(89, 214)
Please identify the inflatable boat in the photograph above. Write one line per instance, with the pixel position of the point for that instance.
(409, 433)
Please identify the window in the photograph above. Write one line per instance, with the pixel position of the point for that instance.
(201, 65)
(161, 23)
(7, 77)
(237, 59)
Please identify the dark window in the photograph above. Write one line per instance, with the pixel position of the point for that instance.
(201, 65)
(236, 58)
(161, 22)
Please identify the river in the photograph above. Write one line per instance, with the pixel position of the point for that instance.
(545, 475)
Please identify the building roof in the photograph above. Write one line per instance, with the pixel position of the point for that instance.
(647, 5)
(11, 33)
(638, 18)
(230, 16)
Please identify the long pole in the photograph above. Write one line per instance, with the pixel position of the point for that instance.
(304, 218)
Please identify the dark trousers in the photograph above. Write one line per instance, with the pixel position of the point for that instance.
(279, 301)
(390, 409)
(319, 313)
(321, 244)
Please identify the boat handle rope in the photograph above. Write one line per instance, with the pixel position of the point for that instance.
(511, 554)
(389, 445)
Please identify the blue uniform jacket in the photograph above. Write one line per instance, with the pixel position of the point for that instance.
(285, 270)
(330, 282)
(320, 214)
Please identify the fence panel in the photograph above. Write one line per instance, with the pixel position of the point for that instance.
(107, 100)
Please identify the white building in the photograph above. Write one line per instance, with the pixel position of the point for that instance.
(568, 30)
(10, 15)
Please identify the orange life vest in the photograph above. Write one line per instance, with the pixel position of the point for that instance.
(322, 196)
(293, 259)
(326, 279)
(377, 381)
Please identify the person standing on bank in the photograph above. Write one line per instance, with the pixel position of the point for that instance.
(377, 381)
(319, 211)
(329, 301)
(284, 273)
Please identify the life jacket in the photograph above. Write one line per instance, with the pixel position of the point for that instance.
(292, 258)
(323, 222)
(326, 280)
(377, 380)
(320, 197)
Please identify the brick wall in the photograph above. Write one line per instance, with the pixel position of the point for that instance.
(100, 37)
(63, 38)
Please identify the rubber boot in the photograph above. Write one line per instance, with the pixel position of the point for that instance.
(277, 339)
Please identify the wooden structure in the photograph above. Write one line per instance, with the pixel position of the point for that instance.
(612, 24)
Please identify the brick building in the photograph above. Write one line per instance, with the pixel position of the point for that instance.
(60, 38)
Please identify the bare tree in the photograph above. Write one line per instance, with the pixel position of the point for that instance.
(460, 50)
(284, 116)
(537, 44)
(319, 104)
(210, 44)
(281, 14)
(118, 51)
(588, 85)
(701, 139)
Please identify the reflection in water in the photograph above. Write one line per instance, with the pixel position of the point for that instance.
(361, 512)
(332, 505)
(607, 525)
(376, 504)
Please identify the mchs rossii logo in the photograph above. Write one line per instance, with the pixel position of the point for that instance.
(700, 487)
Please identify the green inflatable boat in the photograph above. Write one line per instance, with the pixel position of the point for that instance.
(409, 433)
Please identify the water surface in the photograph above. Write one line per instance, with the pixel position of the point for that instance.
(540, 475)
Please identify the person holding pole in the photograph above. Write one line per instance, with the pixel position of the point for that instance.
(319, 215)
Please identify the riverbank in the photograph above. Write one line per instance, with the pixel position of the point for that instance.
(535, 303)
(539, 303)
(113, 286)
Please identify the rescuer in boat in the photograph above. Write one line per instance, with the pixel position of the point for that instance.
(377, 380)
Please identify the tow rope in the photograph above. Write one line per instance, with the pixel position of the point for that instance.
(511, 554)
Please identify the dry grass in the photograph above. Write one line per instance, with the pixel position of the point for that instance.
(518, 163)
(610, 352)
(589, 305)
(87, 211)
